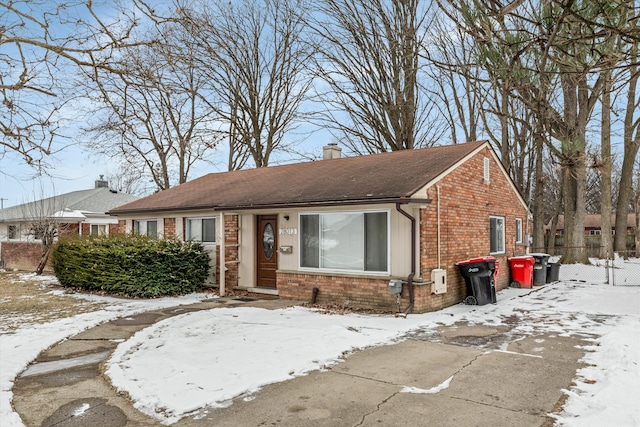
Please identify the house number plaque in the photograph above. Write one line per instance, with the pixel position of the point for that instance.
(288, 231)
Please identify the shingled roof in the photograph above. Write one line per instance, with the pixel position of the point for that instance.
(376, 178)
(95, 201)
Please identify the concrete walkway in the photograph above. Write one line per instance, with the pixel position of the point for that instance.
(454, 377)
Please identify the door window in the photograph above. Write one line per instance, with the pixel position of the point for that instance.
(268, 240)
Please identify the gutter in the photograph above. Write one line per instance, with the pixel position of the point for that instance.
(396, 200)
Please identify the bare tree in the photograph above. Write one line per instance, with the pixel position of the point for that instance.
(42, 43)
(530, 46)
(631, 139)
(150, 115)
(458, 83)
(368, 70)
(43, 221)
(255, 56)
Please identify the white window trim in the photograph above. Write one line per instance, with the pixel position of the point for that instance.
(106, 229)
(519, 231)
(346, 272)
(146, 220)
(504, 243)
(187, 237)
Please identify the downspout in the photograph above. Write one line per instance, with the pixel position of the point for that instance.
(438, 214)
(221, 261)
(413, 258)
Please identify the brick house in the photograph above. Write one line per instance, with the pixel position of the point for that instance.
(79, 212)
(593, 224)
(348, 225)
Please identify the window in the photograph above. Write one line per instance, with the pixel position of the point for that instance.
(354, 241)
(595, 232)
(201, 230)
(146, 228)
(497, 234)
(98, 230)
(518, 230)
(13, 232)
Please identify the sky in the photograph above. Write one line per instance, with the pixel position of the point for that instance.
(605, 391)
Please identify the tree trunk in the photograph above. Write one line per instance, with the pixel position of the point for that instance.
(554, 223)
(631, 145)
(538, 196)
(574, 177)
(637, 217)
(43, 260)
(605, 171)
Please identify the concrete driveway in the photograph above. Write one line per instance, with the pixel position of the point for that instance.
(458, 376)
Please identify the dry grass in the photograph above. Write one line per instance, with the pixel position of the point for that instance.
(27, 300)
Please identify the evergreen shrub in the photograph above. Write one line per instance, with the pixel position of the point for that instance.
(130, 265)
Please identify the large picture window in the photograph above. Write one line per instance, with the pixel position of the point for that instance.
(497, 234)
(146, 228)
(201, 230)
(355, 241)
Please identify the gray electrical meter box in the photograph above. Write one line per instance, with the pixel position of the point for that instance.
(395, 286)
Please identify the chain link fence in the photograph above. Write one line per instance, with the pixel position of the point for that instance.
(623, 269)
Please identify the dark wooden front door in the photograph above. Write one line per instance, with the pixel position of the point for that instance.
(267, 247)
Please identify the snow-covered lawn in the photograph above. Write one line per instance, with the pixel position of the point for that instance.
(204, 359)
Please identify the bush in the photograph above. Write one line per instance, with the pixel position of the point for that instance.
(131, 265)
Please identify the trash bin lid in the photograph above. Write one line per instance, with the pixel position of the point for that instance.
(478, 259)
(522, 258)
(540, 255)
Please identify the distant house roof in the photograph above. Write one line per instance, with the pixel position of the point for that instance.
(72, 206)
(594, 221)
(377, 178)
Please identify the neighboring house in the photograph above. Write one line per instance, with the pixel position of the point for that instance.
(592, 224)
(348, 226)
(82, 212)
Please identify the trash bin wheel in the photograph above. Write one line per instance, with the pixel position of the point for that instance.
(514, 284)
(471, 300)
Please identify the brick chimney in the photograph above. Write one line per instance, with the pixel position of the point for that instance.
(102, 183)
(331, 151)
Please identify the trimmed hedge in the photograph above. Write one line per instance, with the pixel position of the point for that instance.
(131, 265)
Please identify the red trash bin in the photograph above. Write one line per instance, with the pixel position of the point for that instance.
(522, 271)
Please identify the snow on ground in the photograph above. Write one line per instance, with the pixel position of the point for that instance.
(205, 362)
(18, 349)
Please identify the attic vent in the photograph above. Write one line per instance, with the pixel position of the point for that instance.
(485, 177)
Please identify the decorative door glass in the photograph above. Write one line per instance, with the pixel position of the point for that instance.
(268, 239)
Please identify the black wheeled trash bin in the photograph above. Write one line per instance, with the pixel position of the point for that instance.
(553, 272)
(540, 268)
(478, 274)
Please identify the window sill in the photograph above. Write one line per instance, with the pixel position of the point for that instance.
(338, 273)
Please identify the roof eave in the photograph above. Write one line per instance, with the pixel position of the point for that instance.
(308, 204)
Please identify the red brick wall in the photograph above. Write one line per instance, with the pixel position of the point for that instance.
(86, 229)
(169, 228)
(466, 204)
(120, 227)
(69, 229)
(362, 292)
(22, 255)
(231, 239)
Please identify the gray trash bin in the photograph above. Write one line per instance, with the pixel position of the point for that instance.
(540, 268)
(553, 272)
